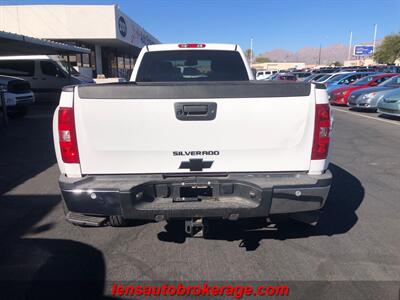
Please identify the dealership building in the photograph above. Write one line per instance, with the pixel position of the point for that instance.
(114, 39)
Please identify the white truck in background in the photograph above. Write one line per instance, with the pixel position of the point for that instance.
(216, 144)
(45, 74)
(17, 95)
(265, 74)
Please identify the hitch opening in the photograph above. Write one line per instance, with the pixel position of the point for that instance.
(196, 227)
(195, 192)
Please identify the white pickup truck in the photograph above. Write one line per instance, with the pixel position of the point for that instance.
(17, 95)
(192, 135)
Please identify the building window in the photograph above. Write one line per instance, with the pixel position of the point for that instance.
(121, 67)
(114, 66)
(79, 60)
(85, 60)
(127, 63)
(93, 60)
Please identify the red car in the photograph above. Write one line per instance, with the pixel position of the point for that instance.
(340, 95)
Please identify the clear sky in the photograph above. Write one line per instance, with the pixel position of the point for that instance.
(288, 24)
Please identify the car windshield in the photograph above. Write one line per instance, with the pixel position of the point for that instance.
(337, 77)
(65, 66)
(393, 94)
(394, 81)
(323, 78)
(364, 80)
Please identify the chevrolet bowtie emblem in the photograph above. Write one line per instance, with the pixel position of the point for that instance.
(196, 164)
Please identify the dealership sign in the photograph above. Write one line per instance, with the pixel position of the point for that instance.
(131, 33)
(122, 26)
(363, 50)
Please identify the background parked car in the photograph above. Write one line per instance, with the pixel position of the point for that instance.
(327, 70)
(368, 98)
(314, 77)
(328, 76)
(18, 95)
(284, 76)
(265, 74)
(46, 75)
(301, 75)
(390, 103)
(339, 96)
(344, 79)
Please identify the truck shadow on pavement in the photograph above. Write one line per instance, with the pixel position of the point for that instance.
(51, 269)
(339, 217)
(35, 267)
(26, 147)
(40, 268)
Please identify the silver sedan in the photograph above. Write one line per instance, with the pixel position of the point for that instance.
(369, 98)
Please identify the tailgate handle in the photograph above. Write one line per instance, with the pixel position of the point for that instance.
(195, 111)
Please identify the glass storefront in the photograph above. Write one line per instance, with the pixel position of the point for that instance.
(116, 63)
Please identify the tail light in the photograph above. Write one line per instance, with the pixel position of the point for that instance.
(321, 132)
(192, 45)
(67, 135)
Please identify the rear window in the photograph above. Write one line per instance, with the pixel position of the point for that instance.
(17, 67)
(192, 65)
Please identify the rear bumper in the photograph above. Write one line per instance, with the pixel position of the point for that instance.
(230, 196)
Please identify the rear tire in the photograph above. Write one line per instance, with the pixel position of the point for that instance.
(118, 221)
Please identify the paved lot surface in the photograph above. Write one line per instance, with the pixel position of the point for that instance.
(357, 239)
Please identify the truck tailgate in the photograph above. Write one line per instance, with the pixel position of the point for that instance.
(136, 128)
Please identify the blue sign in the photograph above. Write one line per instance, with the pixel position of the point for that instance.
(122, 26)
(363, 50)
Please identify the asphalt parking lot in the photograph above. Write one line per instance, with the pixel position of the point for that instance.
(357, 239)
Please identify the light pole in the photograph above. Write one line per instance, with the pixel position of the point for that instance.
(375, 30)
(251, 51)
(350, 42)
(319, 55)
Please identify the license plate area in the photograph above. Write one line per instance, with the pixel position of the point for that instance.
(194, 193)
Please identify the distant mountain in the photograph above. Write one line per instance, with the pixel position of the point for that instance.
(309, 55)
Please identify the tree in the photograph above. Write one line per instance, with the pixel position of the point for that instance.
(262, 59)
(389, 50)
(337, 63)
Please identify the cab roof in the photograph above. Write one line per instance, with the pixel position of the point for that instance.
(192, 46)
